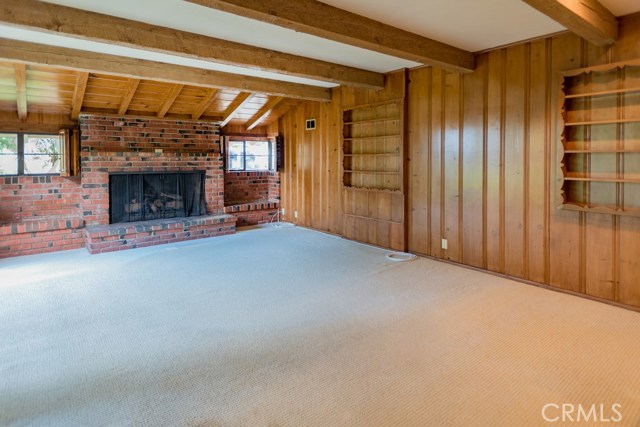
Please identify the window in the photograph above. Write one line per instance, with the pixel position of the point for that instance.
(8, 154)
(250, 156)
(29, 154)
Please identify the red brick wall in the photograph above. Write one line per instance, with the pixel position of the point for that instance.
(274, 186)
(117, 144)
(38, 236)
(38, 197)
(243, 187)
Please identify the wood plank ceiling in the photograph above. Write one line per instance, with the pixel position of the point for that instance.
(41, 89)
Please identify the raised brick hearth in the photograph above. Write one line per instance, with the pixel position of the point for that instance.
(116, 237)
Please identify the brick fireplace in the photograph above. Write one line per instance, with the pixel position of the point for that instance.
(117, 145)
(49, 213)
(112, 146)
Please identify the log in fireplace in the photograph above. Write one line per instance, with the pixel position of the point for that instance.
(152, 196)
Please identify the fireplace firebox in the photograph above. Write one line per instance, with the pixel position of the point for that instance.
(152, 196)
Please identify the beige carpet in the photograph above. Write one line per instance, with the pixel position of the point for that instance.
(289, 327)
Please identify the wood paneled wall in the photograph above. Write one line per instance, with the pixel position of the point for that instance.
(483, 169)
(312, 176)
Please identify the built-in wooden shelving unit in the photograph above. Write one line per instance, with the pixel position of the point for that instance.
(372, 146)
(373, 168)
(600, 144)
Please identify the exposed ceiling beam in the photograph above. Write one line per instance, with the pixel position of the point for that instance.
(263, 112)
(235, 106)
(130, 91)
(328, 22)
(76, 23)
(73, 59)
(587, 18)
(204, 105)
(21, 90)
(174, 91)
(78, 94)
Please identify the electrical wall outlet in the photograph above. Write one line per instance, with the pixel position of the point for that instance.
(295, 214)
(445, 244)
(282, 211)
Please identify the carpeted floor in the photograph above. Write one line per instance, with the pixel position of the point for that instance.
(289, 327)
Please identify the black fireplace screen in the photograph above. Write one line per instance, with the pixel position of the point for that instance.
(142, 197)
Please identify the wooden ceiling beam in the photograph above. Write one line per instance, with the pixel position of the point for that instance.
(587, 18)
(235, 107)
(78, 94)
(331, 23)
(73, 59)
(128, 95)
(21, 90)
(204, 105)
(263, 112)
(174, 91)
(80, 24)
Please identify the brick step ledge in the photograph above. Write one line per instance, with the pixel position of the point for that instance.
(116, 237)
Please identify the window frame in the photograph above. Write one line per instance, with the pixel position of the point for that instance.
(271, 156)
(21, 153)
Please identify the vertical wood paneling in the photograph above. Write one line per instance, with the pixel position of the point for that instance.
(483, 171)
(629, 259)
(437, 162)
(564, 225)
(334, 160)
(495, 107)
(473, 166)
(514, 155)
(420, 160)
(451, 175)
(600, 240)
(536, 158)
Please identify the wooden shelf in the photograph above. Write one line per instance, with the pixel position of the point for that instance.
(602, 122)
(579, 189)
(385, 140)
(601, 208)
(602, 93)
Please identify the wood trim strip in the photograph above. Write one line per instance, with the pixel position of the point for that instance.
(21, 90)
(128, 95)
(173, 93)
(235, 106)
(204, 105)
(263, 112)
(78, 94)
(525, 159)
